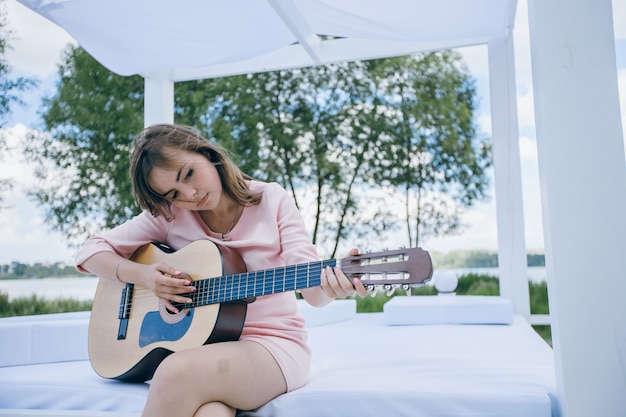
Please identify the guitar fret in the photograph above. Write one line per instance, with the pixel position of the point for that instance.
(269, 281)
(265, 283)
(216, 290)
(296, 275)
(240, 276)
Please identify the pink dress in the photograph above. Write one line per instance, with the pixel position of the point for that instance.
(268, 235)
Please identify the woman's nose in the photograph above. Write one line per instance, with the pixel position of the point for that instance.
(190, 193)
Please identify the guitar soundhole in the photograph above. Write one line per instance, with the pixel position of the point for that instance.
(171, 317)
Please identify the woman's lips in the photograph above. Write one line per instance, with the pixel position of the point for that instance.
(203, 201)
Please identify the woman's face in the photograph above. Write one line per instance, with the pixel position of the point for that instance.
(192, 182)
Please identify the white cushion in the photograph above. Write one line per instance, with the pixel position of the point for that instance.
(448, 309)
(338, 310)
(43, 338)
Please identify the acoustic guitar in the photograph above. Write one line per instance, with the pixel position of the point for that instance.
(131, 332)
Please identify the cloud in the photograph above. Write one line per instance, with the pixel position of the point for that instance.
(527, 149)
(38, 42)
(526, 110)
(25, 238)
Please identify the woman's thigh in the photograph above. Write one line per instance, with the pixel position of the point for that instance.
(241, 374)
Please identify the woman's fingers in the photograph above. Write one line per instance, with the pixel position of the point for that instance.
(335, 284)
(172, 285)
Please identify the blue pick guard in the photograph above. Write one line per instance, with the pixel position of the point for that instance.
(154, 329)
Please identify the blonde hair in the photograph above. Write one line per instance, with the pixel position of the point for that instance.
(150, 150)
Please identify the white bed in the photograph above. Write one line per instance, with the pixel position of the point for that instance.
(363, 365)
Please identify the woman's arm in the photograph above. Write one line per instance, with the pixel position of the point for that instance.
(297, 248)
(163, 280)
(107, 256)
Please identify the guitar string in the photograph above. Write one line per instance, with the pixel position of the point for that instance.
(217, 294)
(291, 277)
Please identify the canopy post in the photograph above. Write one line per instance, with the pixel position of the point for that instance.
(583, 188)
(512, 262)
(158, 98)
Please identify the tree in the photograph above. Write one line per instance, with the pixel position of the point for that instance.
(333, 135)
(341, 130)
(307, 129)
(432, 150)
(10, 89)
(82, 158)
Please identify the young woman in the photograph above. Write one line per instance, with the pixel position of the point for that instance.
(189, 189)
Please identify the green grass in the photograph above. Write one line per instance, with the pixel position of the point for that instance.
(34, 305)
(469, 284)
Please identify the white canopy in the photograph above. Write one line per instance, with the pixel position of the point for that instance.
(579, 133)
(204, 38)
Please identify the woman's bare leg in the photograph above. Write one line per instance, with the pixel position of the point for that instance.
(242, 375)
(215, 409)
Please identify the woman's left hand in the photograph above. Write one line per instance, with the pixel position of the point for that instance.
(336, 284)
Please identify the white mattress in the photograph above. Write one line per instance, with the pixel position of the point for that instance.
(361, 367)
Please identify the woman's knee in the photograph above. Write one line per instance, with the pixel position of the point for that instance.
(172, 370)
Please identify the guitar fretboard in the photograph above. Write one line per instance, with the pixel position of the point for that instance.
(257, 283)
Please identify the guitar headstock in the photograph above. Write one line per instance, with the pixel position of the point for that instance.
(404, 267)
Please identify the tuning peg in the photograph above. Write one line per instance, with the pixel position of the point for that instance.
(407, 289)
(389, 289)
(372, 290)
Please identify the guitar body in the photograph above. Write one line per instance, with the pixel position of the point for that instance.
(131, 332)
(129, 348)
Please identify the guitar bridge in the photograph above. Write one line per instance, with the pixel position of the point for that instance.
(124, 312)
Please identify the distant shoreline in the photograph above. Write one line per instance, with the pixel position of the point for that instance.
(83, 287)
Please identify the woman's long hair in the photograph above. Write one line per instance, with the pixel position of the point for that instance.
(150, 150)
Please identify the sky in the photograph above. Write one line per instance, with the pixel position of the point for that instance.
(36, 53)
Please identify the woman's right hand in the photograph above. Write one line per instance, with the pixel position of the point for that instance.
(167, 283)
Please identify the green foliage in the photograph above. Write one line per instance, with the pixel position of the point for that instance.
(475, 284)
(83, 159)
(545, 332)
(34, 305)
(402, 127)
(10, 91)
(431, 148)
(477, 259)
(539, 298)
(10, 88)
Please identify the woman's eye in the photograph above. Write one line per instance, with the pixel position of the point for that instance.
(189, 173)
(174, 195)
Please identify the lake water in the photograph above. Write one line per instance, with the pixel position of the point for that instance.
(84, 288)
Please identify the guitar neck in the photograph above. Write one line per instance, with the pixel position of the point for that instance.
(253, 284)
